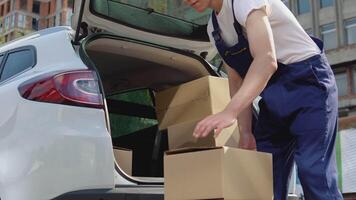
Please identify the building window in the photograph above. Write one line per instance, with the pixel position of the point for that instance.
(36, 7)
(2, 10)
(23, 4)
(21, 21)
(54, 21)
(328, 35)
(13, 17)
(8, 7)
(35, 24)
(6, 23)
(341, 82)
(49, 7)
(350, 29)
(60, 19)
(71, 4)
(326, 3)
(354, 79)
(303, 6)
(69, 17)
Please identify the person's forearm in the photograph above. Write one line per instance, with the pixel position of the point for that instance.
(245, 118)
(256, 79)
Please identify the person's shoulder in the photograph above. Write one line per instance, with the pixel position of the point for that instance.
(246, 4)
(244, 7)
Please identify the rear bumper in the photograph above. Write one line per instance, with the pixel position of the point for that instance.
(122, 193)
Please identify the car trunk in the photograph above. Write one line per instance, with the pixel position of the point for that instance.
(131, 72)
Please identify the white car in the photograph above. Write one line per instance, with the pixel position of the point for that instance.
(67, 98)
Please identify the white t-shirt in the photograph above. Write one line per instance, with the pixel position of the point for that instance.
(291, 41)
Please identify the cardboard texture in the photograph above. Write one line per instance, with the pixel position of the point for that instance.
(181, 136)
(124, 158)
(192, 101)
(218, 173)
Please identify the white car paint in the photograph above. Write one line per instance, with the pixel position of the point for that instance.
(50, 149)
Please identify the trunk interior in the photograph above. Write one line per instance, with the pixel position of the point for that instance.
(131, 73)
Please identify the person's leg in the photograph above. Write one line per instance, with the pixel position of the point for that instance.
(315, 158)
(272, 137)
(314, 125)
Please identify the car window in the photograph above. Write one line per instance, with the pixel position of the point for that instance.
(130, 112)
(163, 18)
(1, 57)
(17, 62)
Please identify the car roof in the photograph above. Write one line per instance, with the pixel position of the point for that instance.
(33, 37)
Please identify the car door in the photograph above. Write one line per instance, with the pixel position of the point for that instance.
(136, 20)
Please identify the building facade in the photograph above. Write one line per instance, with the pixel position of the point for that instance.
(19, 17)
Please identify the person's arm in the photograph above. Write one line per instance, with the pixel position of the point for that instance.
(247, 140)
(264, 64)
(262, 68)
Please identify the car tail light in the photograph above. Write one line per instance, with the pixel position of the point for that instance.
(77, 88)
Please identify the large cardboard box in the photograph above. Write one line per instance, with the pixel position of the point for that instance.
(218, 173)
(123, 157)
(192, 101)
(181, 136)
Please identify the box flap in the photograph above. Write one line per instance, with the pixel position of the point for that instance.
(181, 94)
(190, 149)
(181, 136)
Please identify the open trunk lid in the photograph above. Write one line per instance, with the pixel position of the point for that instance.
(141, 22)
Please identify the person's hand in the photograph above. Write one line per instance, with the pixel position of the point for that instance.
(215, 122)
(247, 141)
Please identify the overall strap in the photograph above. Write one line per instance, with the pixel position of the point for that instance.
(237, 25)
(216, 32)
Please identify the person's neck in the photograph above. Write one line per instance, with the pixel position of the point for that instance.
(216, 5)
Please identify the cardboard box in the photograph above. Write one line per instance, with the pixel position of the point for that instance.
(181, 136)
(192, 101)
(123, 158)
(218, 173)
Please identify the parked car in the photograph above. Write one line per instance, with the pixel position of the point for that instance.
(63, 90)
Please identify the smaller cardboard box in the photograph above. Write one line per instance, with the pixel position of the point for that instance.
(218, 173)
(181, 136)
(123, 158)
(192, 101)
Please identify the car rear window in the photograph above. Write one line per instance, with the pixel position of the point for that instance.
(163, 17)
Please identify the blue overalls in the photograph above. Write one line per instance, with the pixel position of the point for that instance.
(297, 119)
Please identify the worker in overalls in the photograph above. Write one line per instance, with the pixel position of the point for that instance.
(268, 53)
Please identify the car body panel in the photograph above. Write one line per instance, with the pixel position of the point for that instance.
(55, 156)
(49, 149)
(101, 23)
